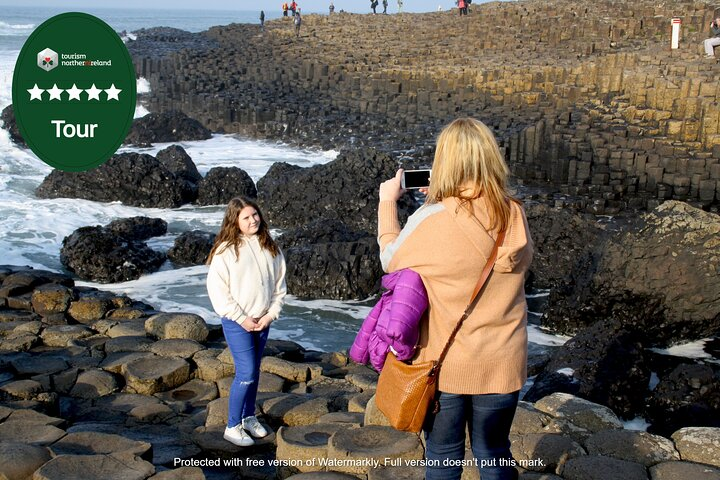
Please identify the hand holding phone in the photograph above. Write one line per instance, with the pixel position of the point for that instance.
(414, 179)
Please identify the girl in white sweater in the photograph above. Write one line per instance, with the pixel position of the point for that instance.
(246, 285)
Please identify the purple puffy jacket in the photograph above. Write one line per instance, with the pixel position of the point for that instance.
(394, 322)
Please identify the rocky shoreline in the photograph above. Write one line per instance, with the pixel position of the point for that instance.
(98, 383)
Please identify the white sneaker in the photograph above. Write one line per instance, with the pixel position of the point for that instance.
(238, 436)
(252, 425)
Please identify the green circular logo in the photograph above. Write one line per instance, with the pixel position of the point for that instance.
(74, 91)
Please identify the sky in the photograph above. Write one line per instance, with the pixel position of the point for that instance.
(358, 6)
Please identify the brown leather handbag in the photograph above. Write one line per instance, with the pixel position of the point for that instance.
(406, 391)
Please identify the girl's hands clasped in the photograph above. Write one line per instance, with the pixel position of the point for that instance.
(253, 324)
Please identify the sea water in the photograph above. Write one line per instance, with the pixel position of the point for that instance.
(33, 229)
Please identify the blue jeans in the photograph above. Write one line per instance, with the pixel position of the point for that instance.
(488, 418)
(246, 349)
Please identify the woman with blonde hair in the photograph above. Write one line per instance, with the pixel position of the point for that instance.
(448, 241)
(246, 286)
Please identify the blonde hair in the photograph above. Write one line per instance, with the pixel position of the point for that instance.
(467, 165)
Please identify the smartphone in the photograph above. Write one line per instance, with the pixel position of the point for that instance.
(415, 179)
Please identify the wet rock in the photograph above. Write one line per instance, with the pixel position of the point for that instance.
(345, 189)
(8, 123)
(688, 396)
(699, 444)
(33, 365)
(135, 179)
(147, 376)
(19, 461)
(138, 228)
(176, 159)
(222, 184)
(94, 253)
(186, 326)
(166, 127)
(191, 248)
(604, 363)
(150, 414)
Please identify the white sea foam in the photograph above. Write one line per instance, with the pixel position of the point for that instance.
(637, 424)
(689, 350)
(21, 29)
(537, 335)
(143, 86)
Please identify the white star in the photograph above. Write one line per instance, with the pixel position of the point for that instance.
(55, 92)
(93, 92)
(35, 93)
(74, 92)
(113, 92)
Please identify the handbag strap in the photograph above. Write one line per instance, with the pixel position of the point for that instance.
(473, 299)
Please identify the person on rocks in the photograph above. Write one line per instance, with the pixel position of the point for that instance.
(246, 286)
(400, 5)
(285, 9)
(332, 8)
(262, 20)
(293, 7)
(714, 41)
(298, 22)
(447, 242)
(373, 5)
(462, 7)
(385, 5)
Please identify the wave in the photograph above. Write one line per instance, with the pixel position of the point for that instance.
(15, 29)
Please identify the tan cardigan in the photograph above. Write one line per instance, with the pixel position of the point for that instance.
(448, 248)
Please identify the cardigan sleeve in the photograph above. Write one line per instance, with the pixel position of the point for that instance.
(218, 286)
(278, 297)
(388, 224)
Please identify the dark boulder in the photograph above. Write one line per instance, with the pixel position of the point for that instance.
(561, 237)
(221, 184)
(138, 228)
(8, 123)
(319, 231)
(191, 248)
(345, 189)
(604, 363)
(660, 276)
(176, 159)
(326, 259)
(134, 179)
(689, 396)
(173, 126)
(98, 254)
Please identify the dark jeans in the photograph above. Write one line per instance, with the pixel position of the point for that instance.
(246, 349)
(488, 418)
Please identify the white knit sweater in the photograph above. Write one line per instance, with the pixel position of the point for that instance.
(251, 284)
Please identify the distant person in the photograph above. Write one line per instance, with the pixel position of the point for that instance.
(332, 7)
(462, 7)
(439, 8)
(293, 7)
(285, 9)
(298, 22)
(262, 20)
(373, 5)
(400, 4)
(385, 4)
(246, 286)
(714, 41)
